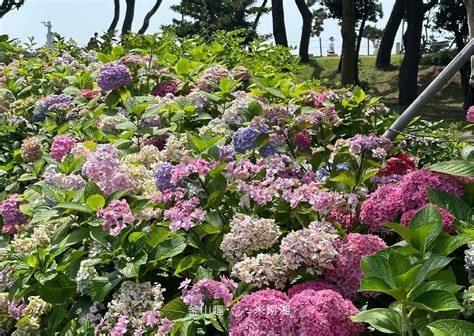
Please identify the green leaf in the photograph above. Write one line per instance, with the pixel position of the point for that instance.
(127, 126)
(455, 167)
(424, 236)
(183, 66)
(170, 248)
(451, 328)
(216, 187)
(113, 98)
(447, 245)
(447, 286)
(378, 267)
(426, 215)
(131, 269)
(73, 206)
(403, 231)
(347, 178)
(455, 205)
(358, 95)
(431, 266)
(383, 319)
(95, 202)
(407, 279)
(188, 262)
(373, 284)
(102, 286)
(175, 309)
(438, 300)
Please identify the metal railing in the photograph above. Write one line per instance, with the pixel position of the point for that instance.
(443, 78)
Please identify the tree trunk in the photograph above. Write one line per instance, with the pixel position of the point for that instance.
(409, 69)
(389, 34)
(259, 15)
(306, 30)
(129, 14)
(148, 16)
(359, 42)
(465, 73)
(349, 56)
(470, 18)
(279, 29)
(113, 25)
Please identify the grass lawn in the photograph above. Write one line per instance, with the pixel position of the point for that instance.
(447, 104)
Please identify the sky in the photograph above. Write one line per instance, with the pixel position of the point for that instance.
(79, 19)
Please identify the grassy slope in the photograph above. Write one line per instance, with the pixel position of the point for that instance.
(447, 104)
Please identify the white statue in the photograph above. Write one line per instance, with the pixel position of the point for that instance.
(49, 35)
(470, 16)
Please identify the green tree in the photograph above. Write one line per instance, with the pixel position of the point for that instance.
(206, 17)
(8, 5)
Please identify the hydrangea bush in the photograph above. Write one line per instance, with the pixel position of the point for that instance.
(163, 188)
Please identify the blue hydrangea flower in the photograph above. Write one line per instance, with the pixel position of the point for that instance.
(323, 174)
(244, 139)
(267, 150)
(113, 76)
(343, 166)
(163, 176)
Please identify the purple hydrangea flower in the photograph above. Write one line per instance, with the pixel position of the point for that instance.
(12, 217)
(244, 139)
(113, 76)
(163, 175)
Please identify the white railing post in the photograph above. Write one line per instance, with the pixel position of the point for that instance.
(414, 109)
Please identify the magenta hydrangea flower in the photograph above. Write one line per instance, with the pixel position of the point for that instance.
(116, 216)
(323, 312)
(470, 114)
(61, 146)
(113, 76)
(266, 312)
(206, 289)
(315, 285)
(11, 214)
(302, 139)
(446, 216)
(346, 273)
(167, 86)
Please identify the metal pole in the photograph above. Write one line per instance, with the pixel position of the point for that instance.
(414, 109)
(368, 46)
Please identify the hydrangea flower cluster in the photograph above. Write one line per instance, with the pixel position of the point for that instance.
(241, 73)
(323, 312)
(61, 146)
(263, 270)
(56, 103)
(88, 94)
(167, 86)
(212, 77)
(392, 200)
(265, 312)
(60, 180)
(103, 167)
(248, 235)
(31, 149)
(185, 214)
(113, 76)
(203, 290)
(379, 146)
(163, 175)
(314, 247)
(116, 216)
(345, 272)
(13, 219)
(470, 114)
(315, 285)
(135, 308)
(198, 100)
(244, 139)
(302, 139)
(36, 308)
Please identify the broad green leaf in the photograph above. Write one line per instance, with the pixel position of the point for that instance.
(102, 286)
(383, 319)
(407, 279)
(188, 262)
(424, 236)
(438, 300)
(170, 248)
(183, 66)
(379, 267)
(95, 202)
(74, 207)
(403, 231)
(447, 245)
(372, 284)
(426, 215)
(431, 266)
(452, 328)
(455, 167)
(175, 309)
(455, 205)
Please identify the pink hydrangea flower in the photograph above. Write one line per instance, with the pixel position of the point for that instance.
(302, 139)
(324, 312)
(346, 273)
(266, 312)
(61, 146)
(206, 289)
(446, 216)
(184, 214)
(315, 285)
(116, 216)
(470, 114)
(12, 216)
